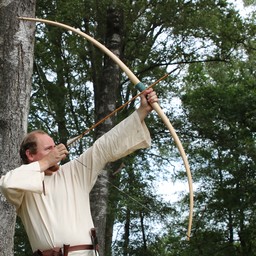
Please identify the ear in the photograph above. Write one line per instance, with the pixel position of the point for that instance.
(30, 156)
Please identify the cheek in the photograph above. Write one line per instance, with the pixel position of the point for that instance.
(39, 156)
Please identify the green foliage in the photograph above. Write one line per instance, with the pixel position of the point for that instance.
(249, 2)
(220, 107)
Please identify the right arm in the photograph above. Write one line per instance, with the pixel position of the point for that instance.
(24, 178)
(49, 163)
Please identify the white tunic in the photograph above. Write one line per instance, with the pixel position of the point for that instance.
(63, 216)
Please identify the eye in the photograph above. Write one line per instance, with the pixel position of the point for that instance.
(49, 148)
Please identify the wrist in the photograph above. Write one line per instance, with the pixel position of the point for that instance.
(44, 165)
(142, 112)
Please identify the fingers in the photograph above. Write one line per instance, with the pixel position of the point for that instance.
(49, 163)
(151, 96)
(148, 97)
(62, 151)
(57, 154)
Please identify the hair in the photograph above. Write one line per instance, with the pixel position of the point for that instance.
(29, 143)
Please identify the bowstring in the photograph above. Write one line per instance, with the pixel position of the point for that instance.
(109, 182)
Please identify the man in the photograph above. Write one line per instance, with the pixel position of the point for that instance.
(53, 201)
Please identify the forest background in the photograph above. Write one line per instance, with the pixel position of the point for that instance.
(208, 49)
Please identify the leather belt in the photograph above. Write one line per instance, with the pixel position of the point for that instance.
(57, 251)
(80, 247)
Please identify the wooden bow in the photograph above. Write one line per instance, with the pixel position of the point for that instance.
(140, 87)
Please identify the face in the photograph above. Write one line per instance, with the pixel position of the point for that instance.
(44, 145)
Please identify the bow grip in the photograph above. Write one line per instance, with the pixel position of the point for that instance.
(140, 86)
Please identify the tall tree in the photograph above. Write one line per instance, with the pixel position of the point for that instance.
(16, 58)
(106, 90)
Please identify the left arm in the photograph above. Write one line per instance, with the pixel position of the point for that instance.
(128, 136)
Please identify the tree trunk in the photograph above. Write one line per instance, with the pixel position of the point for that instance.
(16, 61)
(127, 232)
(106, 95)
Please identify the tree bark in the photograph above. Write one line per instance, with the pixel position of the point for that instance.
(106, 95)
(16, 62)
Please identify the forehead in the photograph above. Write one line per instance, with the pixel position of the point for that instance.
(44, 139)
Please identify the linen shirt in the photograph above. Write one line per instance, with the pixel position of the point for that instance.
(62, 215)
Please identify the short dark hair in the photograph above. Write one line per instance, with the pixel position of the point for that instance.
(29, 143)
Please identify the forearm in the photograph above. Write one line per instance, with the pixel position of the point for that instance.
(129, 135)
(26, 177)
(142, 113)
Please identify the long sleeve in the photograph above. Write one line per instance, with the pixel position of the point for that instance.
(128, 136)
(24, 178)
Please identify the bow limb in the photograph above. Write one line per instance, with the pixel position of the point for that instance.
(140, 87)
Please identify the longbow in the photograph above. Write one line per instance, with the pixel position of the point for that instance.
(140, 86)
